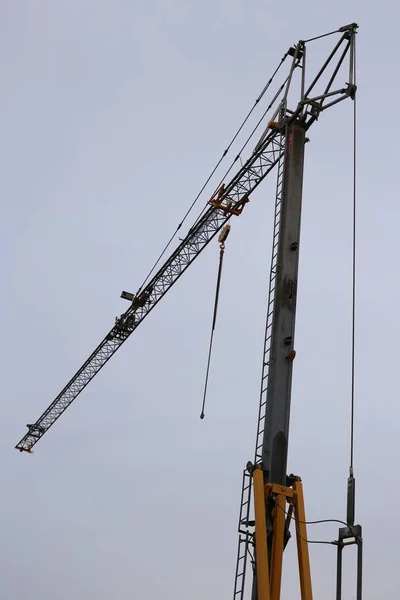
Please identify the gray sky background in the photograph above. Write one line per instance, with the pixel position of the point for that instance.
(113, 115)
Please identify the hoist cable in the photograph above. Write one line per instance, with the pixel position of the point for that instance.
(353, 317)
(259, 97)
(247, 142)
(254, 130)
(238, 156)
(221, 260)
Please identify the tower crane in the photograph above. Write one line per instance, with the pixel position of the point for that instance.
(270, 498)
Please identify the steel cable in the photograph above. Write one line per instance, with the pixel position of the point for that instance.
(259, 97)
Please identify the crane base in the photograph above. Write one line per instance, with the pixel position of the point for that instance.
(288, 503)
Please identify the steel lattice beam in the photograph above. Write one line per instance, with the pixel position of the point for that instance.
(246, 180)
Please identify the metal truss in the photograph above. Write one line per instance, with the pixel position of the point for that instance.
(230, 200)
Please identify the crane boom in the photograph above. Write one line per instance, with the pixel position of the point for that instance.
(230, 200)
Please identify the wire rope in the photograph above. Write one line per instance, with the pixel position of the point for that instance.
(353, 316)
(259, 97)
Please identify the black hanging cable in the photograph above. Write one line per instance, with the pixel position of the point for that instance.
(238, 156)
(352, 530)
(317, 541)
(318, 522)
(351, 484)
(222, 239)
(353, 329)
(254, 130)
(221, 260)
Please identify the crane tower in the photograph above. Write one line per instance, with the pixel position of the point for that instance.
(271, 498)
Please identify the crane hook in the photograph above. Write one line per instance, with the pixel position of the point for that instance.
(221, 239)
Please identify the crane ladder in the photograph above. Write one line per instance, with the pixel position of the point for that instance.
(270, 308)
(246, 525)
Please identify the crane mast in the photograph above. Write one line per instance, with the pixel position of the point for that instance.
(276, 430)
(267, 532)
(270, 498)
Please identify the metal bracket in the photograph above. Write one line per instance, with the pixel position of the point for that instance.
(354, 534)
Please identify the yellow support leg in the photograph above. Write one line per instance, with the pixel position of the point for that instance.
(277, 547)
(269, 580)
(261, 549)
(302, 545)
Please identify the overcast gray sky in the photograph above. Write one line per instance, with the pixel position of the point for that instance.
(113, 115)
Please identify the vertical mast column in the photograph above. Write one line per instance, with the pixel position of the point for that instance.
(276, 432)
